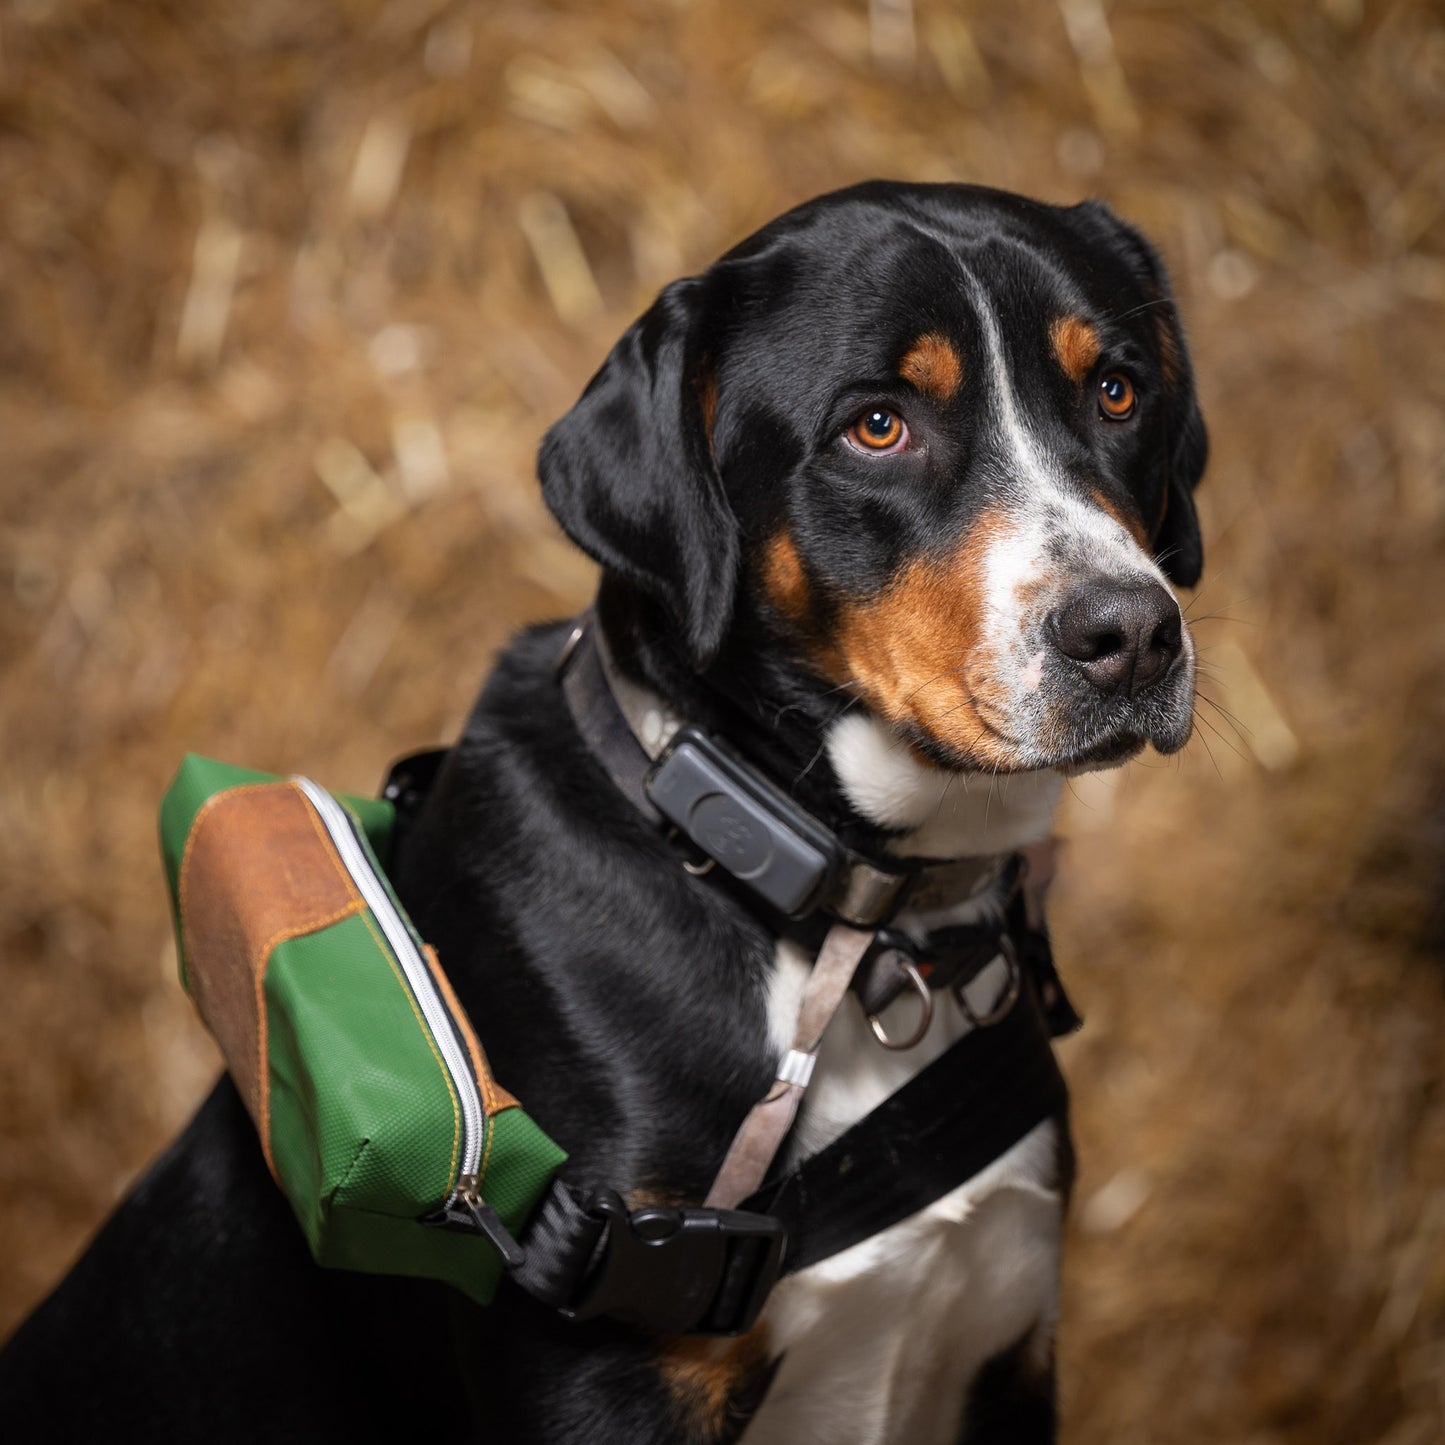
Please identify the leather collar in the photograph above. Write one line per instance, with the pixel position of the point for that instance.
(630, 730)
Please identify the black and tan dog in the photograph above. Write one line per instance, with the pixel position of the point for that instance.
(890, 498)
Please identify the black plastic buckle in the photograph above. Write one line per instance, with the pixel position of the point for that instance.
(682, 1271)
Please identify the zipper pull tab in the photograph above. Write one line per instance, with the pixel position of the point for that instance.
(486, 1222)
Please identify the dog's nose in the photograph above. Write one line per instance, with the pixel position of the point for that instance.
(1123, 639)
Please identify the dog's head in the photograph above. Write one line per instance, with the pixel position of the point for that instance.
(941, 443)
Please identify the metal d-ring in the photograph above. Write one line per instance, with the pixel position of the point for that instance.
(925, 997)
(698, 870)
(1003, 1005)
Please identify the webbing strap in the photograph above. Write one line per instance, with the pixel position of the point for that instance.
(586, 1255)
(949, 1122)
(560, 1242)
(761, 1135)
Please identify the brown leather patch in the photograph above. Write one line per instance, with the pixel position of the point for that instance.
(704, 1376)
(1076, 346)
(907, 649)
(494, 1097)
(933, 365)
(258, 869)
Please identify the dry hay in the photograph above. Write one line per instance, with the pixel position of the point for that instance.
(287, 294)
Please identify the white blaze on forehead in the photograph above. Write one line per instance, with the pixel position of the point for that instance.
(1048, 507)
(1024, 451)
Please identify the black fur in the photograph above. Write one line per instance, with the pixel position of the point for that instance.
(620, 998)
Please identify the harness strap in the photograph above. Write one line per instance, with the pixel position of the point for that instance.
(560, 1242)
(948, 1123)
(709, 1270)
(761, 1134)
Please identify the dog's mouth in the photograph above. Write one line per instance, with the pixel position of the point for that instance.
(1054, 728)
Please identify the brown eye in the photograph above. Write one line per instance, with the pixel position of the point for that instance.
(878, 430)
(1116, 396)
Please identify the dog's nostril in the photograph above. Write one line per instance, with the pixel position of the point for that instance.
(1121, 639)
(1104, 645)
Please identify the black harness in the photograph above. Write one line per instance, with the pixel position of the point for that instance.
(709, 1270)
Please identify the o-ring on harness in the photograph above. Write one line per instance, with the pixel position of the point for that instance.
(399, 1152)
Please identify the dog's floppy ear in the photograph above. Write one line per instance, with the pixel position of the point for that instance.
(630, 475)
(1178, 542)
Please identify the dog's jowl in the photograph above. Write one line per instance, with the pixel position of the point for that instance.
(890, 503)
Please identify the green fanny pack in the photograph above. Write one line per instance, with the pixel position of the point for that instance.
(376, 1110)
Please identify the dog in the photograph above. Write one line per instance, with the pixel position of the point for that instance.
(893, 498)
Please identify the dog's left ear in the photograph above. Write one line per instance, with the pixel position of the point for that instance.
(1178, 543)
(630, 475)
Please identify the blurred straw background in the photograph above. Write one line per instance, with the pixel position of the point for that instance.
(288, 293)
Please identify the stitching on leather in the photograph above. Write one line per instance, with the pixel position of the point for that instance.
(259, 960)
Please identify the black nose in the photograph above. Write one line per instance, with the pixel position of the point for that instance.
(1123, 639)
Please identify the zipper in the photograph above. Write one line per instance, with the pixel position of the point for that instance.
(356, 858)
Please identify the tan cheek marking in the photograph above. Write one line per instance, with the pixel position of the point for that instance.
(784, 582)
(1132, 525)
(933, 365)
(907, 649)
(1076, 346)
(703, 1376)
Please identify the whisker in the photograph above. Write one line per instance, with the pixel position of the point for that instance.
(1240, 727)
(1143, 306)
(1243, 757)
(1204, 741)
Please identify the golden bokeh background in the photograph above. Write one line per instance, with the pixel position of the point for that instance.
(288, 293)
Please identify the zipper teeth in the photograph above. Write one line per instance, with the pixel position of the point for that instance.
(338, 824)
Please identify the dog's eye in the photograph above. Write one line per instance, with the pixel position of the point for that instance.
(1116, 396)
(879, 430)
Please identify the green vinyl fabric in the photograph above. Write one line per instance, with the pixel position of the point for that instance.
(359, 1115)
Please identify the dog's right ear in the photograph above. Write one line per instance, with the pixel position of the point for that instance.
(630, 475)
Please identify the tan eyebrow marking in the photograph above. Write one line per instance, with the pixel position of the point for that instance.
(934, 366)
(1076, 346)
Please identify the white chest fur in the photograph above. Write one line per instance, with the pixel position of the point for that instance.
(881, 1342)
